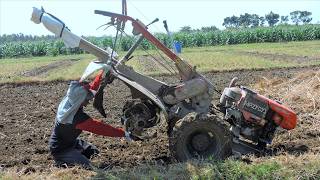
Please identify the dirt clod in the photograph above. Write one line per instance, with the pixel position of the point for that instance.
(29, 170)
(25, 161)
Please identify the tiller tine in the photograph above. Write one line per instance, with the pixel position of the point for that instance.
(98, 101)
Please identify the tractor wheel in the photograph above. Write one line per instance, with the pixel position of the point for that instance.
(200, 137)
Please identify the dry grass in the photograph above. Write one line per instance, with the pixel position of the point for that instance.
(285, 166)
(302, 94)
(52, 173)
(216, 58)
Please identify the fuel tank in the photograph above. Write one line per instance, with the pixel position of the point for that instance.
(284, 116)
(256, 107)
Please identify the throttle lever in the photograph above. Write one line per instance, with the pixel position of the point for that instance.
(165, 25)
(156, 20)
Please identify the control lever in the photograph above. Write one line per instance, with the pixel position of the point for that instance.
(170, 37)
(165, 25)
(128, 56)
(156, 20)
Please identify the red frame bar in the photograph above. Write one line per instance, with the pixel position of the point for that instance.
(140, 27)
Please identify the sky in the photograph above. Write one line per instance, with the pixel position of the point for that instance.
(79, 15)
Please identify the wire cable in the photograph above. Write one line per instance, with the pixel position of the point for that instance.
(144, 16)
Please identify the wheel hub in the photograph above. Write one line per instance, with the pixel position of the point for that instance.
(200, 142)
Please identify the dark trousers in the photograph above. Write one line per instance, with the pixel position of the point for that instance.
(78, 155)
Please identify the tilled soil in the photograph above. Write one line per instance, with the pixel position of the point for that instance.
(27, 113)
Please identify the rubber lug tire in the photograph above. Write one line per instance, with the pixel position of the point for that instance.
(186, 128)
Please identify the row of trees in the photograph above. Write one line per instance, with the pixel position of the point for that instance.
(254, 20)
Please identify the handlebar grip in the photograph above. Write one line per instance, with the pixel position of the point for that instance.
(156, 20)
(165, 25)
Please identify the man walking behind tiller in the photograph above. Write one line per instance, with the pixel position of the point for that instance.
(65, 146)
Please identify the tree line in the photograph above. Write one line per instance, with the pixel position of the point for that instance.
(253, 20)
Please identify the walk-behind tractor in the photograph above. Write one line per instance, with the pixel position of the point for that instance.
(242, 122)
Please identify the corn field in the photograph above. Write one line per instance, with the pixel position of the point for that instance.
(194, 39)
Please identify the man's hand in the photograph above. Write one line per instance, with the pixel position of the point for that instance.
(130, 137)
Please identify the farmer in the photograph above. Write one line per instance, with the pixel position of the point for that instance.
(71, 120)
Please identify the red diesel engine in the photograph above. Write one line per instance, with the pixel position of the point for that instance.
(254, 117)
